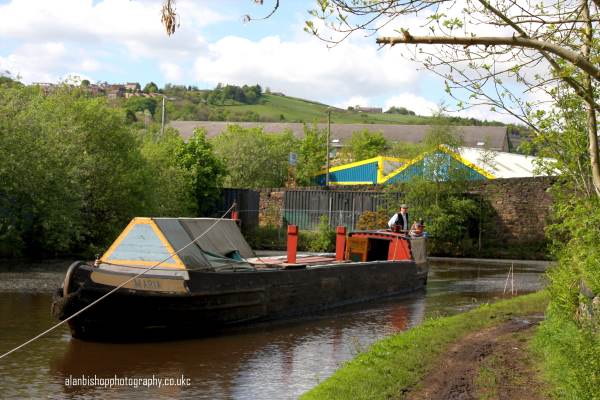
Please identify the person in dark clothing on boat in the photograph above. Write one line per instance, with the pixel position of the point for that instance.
(400, 219)
(416, 230)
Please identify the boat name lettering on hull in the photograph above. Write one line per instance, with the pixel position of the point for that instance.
(144, 283)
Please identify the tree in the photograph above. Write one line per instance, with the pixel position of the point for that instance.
(151, 87)
(559, 36)
(85, 83)
(205, 168)
(140, 104)
(173, 192)
(312, 154)
(254, 158)
(399, 110)
(71, 169)
(365, 144)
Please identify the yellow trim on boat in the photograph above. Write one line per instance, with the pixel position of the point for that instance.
(143, 221)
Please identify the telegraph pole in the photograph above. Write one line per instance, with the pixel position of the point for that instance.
(328, 140)
(162, 123)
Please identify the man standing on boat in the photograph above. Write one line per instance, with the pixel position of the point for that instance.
(400, 219)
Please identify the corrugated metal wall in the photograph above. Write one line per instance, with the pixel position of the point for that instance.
(361, 173)
(247, 203)
(306, 207)
(442, 163)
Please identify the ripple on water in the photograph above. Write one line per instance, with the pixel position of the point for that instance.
(278, 361)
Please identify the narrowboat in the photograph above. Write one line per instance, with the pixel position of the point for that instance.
(211, 279)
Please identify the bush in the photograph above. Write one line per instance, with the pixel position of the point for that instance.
(275, 238)
(267, 238)
(322, 240)
(370, 220)
(569, 338)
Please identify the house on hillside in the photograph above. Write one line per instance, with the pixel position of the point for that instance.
(475, 163)
(114, 91)
(132, 87)
(373, 110)
(492, 137)
(46, 87)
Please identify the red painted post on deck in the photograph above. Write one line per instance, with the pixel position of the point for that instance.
(292, 243)
(235, 215)
(340, 243)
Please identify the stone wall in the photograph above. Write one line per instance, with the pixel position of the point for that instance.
(270, 207)
(520, 206)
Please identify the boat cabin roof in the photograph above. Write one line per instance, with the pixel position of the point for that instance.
(198, 242)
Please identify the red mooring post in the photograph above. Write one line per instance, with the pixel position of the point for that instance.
(292, 243)
(340, 243)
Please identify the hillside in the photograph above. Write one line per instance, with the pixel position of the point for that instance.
(270, 107)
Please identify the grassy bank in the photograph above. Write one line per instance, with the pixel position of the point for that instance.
(395, 364)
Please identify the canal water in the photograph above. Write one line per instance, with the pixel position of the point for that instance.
(275, 361)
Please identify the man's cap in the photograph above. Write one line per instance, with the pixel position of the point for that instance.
(403, 205)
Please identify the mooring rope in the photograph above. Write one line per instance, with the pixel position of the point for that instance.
(116, 288)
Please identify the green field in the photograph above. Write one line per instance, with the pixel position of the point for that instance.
(292, 109)
(280, 108)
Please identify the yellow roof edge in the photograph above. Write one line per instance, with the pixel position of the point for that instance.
(351, 183)
(468, 163)
(350, 165)
(403, 167)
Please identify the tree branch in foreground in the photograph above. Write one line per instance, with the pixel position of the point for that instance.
(514, 41)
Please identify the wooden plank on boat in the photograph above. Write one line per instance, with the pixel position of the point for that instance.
(141, 283)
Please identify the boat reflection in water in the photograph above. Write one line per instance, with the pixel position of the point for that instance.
(274, 360)
(208, 279)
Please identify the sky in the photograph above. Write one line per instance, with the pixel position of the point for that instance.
(122, 41)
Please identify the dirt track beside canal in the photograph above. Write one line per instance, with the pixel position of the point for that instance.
(493, 363)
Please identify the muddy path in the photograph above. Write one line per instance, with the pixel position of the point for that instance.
(489, 364)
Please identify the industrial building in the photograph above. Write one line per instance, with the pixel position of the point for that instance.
(476, 163)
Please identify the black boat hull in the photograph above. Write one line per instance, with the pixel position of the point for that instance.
(212, 301)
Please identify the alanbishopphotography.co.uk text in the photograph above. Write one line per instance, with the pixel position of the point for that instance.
(125, 381)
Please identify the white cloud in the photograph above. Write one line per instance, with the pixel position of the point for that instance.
(171, 71)
(116, 28)
(25, 61)
(356, 101)
(412, 102)
(306, 68)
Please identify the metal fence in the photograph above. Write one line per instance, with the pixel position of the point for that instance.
(305, 208)
(247, 202)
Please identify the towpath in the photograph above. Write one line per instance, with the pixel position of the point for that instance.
(493, 363)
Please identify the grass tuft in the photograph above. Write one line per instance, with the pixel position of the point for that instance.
(395, 364)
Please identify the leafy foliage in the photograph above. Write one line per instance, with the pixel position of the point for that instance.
(71, 168)
(173, 193)
(205, 169)
(151, 87)
(364, 144)
(323, 239)
(312, 154)
(399, 110)
(138, 103)
(74, 172)
(253, 157)
(245, 94)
